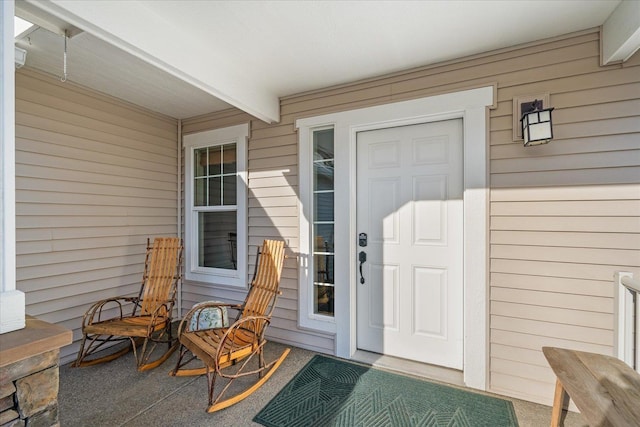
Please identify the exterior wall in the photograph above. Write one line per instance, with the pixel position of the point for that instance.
(94, 178)
(563, 217)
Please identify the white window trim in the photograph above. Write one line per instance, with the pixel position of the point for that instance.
(470, 105)
(233, 134)
(307, 317)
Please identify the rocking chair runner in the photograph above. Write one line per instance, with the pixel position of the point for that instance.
(220, 348)
(150, 318)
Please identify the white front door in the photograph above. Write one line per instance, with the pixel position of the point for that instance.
(410, 206)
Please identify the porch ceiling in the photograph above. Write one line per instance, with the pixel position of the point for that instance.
(187, 58)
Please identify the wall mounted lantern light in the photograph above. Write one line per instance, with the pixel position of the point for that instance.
(536, 123)
(21, 57)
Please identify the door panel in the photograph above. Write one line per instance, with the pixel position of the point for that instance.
(384, 281)
(429, 195)
(430, 284)
(384, 205)
(409, 201)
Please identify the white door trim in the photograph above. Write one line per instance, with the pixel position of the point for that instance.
(470, 105)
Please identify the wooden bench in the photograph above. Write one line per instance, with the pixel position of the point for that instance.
(605, 389)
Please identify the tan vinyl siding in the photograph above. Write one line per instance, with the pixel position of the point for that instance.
(563, 217)
(94, 178)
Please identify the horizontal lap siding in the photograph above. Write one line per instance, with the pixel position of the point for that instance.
(563, 217)
(94, 178)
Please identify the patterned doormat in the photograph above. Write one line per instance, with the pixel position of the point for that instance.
(331, 392)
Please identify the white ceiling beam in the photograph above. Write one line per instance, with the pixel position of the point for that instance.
(35, 16)
(621, 32)
(142, 32)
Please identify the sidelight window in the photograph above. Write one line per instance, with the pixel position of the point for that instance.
(323, 222)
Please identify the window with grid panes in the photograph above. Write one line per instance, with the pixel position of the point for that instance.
(323, 222)
(215, 200)
(215, 221)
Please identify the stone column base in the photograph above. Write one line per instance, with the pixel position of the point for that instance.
(29, 374)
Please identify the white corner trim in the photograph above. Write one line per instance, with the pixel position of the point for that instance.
(12, 311)
(12, 301)
(470, 105)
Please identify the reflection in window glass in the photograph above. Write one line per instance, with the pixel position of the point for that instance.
(229, 190)
(200, 192)
(215, 176)
(323, 206)
(200, 162)
(323, 175)
(323, 222)
(215, 160)
(215, 191)
(229, 158)
(216, 235)
(324, 238)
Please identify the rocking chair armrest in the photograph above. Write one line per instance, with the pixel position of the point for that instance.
(162, 311)
(232, 330)
(186, 320)
(96, 309)
(163, 308)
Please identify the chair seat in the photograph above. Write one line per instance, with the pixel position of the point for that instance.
(137, 326)
(204, 344)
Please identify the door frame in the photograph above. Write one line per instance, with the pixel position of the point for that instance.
(472, 106)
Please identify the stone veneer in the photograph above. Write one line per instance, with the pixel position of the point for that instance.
(29, 374)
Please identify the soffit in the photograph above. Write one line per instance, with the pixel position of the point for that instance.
(246, 51)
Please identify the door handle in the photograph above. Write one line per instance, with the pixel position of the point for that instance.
(362, 257)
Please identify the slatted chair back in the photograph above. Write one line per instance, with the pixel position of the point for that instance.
(161, 273)
(266, 283)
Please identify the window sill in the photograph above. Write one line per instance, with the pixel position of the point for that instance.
(232, 280)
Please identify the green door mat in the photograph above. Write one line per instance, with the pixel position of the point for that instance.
(331, 392)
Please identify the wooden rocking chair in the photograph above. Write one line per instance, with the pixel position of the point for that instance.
(219, 348)
(150, 320)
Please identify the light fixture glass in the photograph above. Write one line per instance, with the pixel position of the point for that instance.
(20, 57)
(537, 125)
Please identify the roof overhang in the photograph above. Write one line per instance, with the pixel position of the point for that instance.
(621, 32)
(159, 43)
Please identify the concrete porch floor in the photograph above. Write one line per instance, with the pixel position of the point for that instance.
(116, 394)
